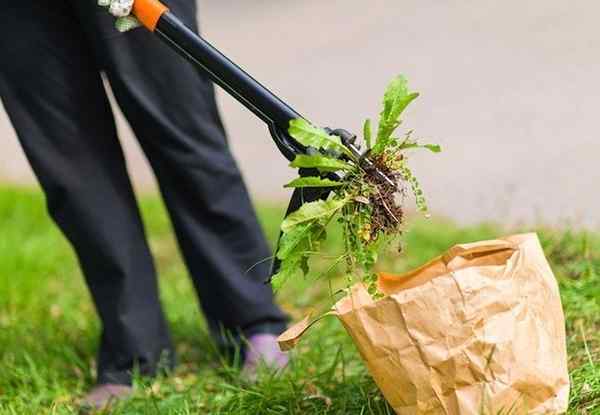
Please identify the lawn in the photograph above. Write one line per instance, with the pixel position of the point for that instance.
(48, 330)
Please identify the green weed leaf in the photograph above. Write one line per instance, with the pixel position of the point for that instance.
(396, 99)
(291, 240)
(321, 162)
(312, 211)
(415, 187)
(289, 269)
(367, 134)
(313, 181)
(310, 136)
(434, 148)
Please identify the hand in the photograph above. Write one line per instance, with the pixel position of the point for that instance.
(121, 9)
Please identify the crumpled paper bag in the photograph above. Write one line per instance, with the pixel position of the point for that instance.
(478, 330)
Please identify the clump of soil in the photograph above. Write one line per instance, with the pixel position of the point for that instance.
(387, 215)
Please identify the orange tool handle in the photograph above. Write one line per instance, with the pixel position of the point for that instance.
(149, 12)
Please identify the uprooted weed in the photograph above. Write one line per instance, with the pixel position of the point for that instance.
(367, 200)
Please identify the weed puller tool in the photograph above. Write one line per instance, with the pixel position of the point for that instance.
(157, 18)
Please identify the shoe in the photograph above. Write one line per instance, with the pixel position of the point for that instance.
(262, 349)
(105, 395)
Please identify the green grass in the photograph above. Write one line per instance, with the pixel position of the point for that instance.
(48, 329)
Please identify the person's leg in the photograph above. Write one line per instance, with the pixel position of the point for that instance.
(173, 112)
(53, 93)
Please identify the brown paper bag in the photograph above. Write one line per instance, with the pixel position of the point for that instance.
(478, 330)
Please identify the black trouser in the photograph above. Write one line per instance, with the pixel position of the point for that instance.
(50, 84)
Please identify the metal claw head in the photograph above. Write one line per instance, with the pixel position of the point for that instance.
(349, 140)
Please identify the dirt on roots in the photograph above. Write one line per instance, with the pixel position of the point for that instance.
(388, 215)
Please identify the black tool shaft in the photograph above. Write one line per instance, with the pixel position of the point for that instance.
(239, 84)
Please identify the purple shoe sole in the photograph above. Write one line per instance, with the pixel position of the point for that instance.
(262, 349)
(105, 395)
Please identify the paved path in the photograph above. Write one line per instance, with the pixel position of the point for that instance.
(510, 89)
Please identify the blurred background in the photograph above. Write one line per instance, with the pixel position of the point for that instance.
(509, 89)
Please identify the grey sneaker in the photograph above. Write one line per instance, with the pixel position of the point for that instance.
(263, 349)
(103, 396)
